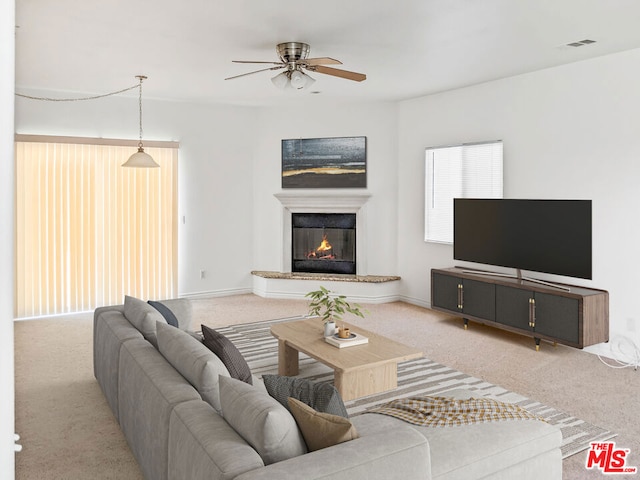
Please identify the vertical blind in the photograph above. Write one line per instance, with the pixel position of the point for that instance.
(460, 171)
(89, 231)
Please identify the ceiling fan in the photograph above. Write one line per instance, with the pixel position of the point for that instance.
(293, 58)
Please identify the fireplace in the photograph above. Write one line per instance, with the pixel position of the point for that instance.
(323, 243)
(340, 202)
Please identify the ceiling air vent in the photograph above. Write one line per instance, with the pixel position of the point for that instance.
(581, 43)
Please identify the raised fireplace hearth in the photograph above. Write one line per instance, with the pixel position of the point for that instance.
(323, 243)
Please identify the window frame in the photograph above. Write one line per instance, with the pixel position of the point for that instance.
(464, 180)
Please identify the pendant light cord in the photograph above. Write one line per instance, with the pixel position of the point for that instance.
(141, 78)
(79, 99)
(139, 159)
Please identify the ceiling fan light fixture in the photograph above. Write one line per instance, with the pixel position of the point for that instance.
(294, 57)
(297, 79)
(280, 80)
(309, 80)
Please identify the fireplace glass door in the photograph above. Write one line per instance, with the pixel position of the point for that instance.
(323, 243)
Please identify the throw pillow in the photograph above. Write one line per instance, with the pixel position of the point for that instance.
(263, 423)
(228, 353)
(321, 430)
(165, 312)
(182, 309)
(322, 397)
(195, 362)
(143, 316)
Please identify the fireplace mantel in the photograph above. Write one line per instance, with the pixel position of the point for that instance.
(331, 200)
(324, 202)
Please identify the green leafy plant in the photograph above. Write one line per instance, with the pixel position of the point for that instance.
(330, 306)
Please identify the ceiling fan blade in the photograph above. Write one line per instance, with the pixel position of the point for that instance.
(320, 61)
(256, 71)
(257, 61)
(357, 77)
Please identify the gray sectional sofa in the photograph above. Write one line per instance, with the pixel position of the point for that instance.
(184, 419)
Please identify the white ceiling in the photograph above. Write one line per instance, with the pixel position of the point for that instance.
(407, 48)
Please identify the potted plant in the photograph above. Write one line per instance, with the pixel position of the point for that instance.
(330, 307)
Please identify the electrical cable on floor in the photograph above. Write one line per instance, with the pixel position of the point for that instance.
(624, 352)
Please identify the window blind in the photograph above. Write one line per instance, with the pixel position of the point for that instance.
(458, 171)
(89, 231)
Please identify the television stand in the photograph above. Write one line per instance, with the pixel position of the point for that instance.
(573, 315)
(520, 278)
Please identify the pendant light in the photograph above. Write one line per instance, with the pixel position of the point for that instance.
(140, 159)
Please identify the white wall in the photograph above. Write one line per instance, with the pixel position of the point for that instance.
(7, 398)
(229, 169)
(375, 121)
(569, 132)
(215, 194)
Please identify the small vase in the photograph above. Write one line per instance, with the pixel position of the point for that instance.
(329, 328)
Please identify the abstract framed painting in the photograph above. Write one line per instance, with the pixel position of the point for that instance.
(338, 162)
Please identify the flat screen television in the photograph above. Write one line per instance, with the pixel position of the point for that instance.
(550, 236)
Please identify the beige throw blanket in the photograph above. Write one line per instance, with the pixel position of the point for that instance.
(446, 412)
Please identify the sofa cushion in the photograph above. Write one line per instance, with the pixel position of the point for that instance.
(194, 361)
(202, 446)
(148, 390)
(478, 450)
(143, 316)
(321, 430)
(228, 353)
(182, 309)
(110, 331)
(322, 397)
(264, 424)
(165, 312)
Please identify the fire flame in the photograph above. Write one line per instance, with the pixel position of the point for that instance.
(324, 246)
(323, 251)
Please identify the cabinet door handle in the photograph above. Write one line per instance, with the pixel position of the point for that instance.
(460, 296)
(532, 312)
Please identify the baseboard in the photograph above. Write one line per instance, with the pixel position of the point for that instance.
(620, 348)
(227, 292)
(415, 301)
(602, 349)
(54, 315)
(264, 293)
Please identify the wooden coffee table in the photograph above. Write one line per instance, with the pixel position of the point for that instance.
(359, 370)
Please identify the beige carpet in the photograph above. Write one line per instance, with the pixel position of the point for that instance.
(416, 377)
(68, 431)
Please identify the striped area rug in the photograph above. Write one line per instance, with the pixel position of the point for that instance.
(415, 377)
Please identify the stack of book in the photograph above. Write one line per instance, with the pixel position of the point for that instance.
(354, 339)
